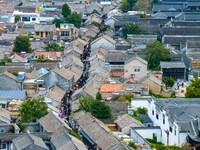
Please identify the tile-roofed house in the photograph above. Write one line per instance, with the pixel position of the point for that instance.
(5, 117)
(71, 60)
(177, 70)
(173, 7)
(50, 123)
(77, 72)
(50, 55)
(153, 82)
(136, 67)
(125, 122)
(179, 117)
(108, 90)
(16, 58)
(43, 30)
(97, 134)
(61, 140)
(54, 96)
(142, 89)
(29, 141)
(58, 76)
(104, 41)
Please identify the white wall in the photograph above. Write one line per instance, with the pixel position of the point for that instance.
(168, 137)
(105, 44)
(21, 14)
(135, 103)
(148, 133)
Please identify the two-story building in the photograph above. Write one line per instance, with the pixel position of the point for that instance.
(176, 121)
(44, 30)
(176, 70)
(26, 14)
(68, 31)
(136, 67)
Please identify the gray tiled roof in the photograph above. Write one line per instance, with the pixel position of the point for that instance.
(185, 111)
(26, 140)
(169, 64)
(44, 27)
(50, 123)
(61, 140)
(98, 132)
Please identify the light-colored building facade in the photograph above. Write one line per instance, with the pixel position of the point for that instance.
(176, 118)
(68, 31)
(136, 67)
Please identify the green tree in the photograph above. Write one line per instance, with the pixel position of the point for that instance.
(99, 96)
(57, 22)
(169, 81)
(131, 29)
(66, 11)
(156, 52)
(100, 110)
(127, 5)
(17, 18)
(132, 144)
(86, 102)
(143, 6)
(193, 90)
(53, 46)
(33, 109)
(75, 19)
(22, 43)
(141, 110)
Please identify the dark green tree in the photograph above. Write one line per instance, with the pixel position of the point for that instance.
(127, 5)
(86, 102)
(131, 29)
(156, 52)
(17, 18)
(53, 46)
(99, 96)
(169, 81)
(193, 90)
(22, 43)
(75, 19)
(132, 144)
(57, 22)
(141, 110)
(100, 110)
(66, 11)
(33, 109)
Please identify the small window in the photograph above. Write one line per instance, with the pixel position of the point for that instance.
(152, 112)
(37, 33)
(163, 119)
(170, 129)
(33, 19)
(3, 146)
(157, 117)
(137, 69)
(175, 131)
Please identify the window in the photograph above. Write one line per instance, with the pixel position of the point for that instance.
(37, 33)
(170, 129)
(3, 146)
(26, 19)
(157, 117)
(163, 119)
(152, 112)
(33, 19)
(137, 69)
(64, 33)
(175, 130)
